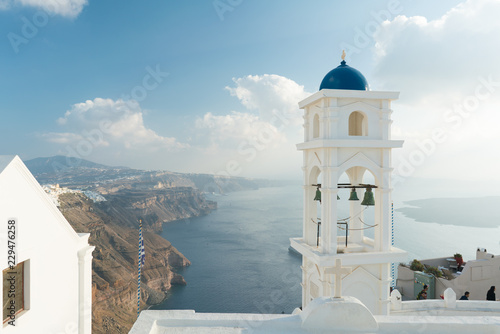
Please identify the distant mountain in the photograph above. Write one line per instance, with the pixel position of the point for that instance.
(78, 173)
(74, 172)
(57, 163)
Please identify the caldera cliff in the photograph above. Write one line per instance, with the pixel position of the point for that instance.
(115, 235)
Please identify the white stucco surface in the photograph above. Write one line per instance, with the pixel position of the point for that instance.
(331, 315)
(57, 284)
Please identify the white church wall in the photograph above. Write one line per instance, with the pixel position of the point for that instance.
(348, 153)
(373, 269)
(333, 116)
(478, 276)
(347, 100)
(361, 285)
(405, 282)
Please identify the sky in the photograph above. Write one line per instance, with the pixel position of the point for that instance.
(212, 86)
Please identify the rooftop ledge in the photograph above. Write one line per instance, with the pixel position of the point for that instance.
(372, 143)
(344, 93)
(353, 254)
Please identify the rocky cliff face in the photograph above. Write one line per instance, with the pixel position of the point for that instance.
(114, 265)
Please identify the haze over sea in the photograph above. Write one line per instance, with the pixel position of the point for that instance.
(240, 258)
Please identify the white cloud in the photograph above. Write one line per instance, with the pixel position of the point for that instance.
(443, 56)
(227, 130)
(108, 128)
(441, 66)
(261, 141)
(66, 8)
(270, 95)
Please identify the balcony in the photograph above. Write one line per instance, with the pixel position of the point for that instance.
(354, 254)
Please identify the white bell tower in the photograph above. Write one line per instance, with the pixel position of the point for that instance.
(347, 129)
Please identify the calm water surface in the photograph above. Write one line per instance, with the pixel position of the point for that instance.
(239, 254)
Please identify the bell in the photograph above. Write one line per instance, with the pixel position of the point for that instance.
(318, 195)
(354, 195)
(368, 200)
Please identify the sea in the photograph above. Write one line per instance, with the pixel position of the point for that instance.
(240, 257)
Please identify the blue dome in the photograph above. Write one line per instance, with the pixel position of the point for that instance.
(344, 77)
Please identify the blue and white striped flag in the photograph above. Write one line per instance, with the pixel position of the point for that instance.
(142, 250)
(140, 263)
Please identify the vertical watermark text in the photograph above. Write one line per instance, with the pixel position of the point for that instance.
(12, 275)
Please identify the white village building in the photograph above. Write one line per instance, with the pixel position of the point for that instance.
(49, 287)
(475, 276)
(346, 277)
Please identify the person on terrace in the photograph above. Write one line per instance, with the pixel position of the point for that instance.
(423, 294)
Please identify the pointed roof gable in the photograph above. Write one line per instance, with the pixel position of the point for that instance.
(14, 162)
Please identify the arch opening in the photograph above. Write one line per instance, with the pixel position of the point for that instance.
(358, 124)
(355, 221)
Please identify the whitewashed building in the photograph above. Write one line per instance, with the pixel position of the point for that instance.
(49, 287)
(476, 276)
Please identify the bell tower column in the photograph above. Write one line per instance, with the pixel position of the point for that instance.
(310, 215)
(329, 207)
(383, 210)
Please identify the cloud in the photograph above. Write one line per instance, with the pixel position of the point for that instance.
(260, 140)
(447, 72)
(66, 8)
(105, 127)
(228, 129)
(270, 95)
(442, 56)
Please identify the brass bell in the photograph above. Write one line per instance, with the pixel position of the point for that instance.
(368, 200)
(318, 195)
(354, 195)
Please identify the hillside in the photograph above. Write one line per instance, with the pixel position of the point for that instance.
(114, 276)
(60, 163)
